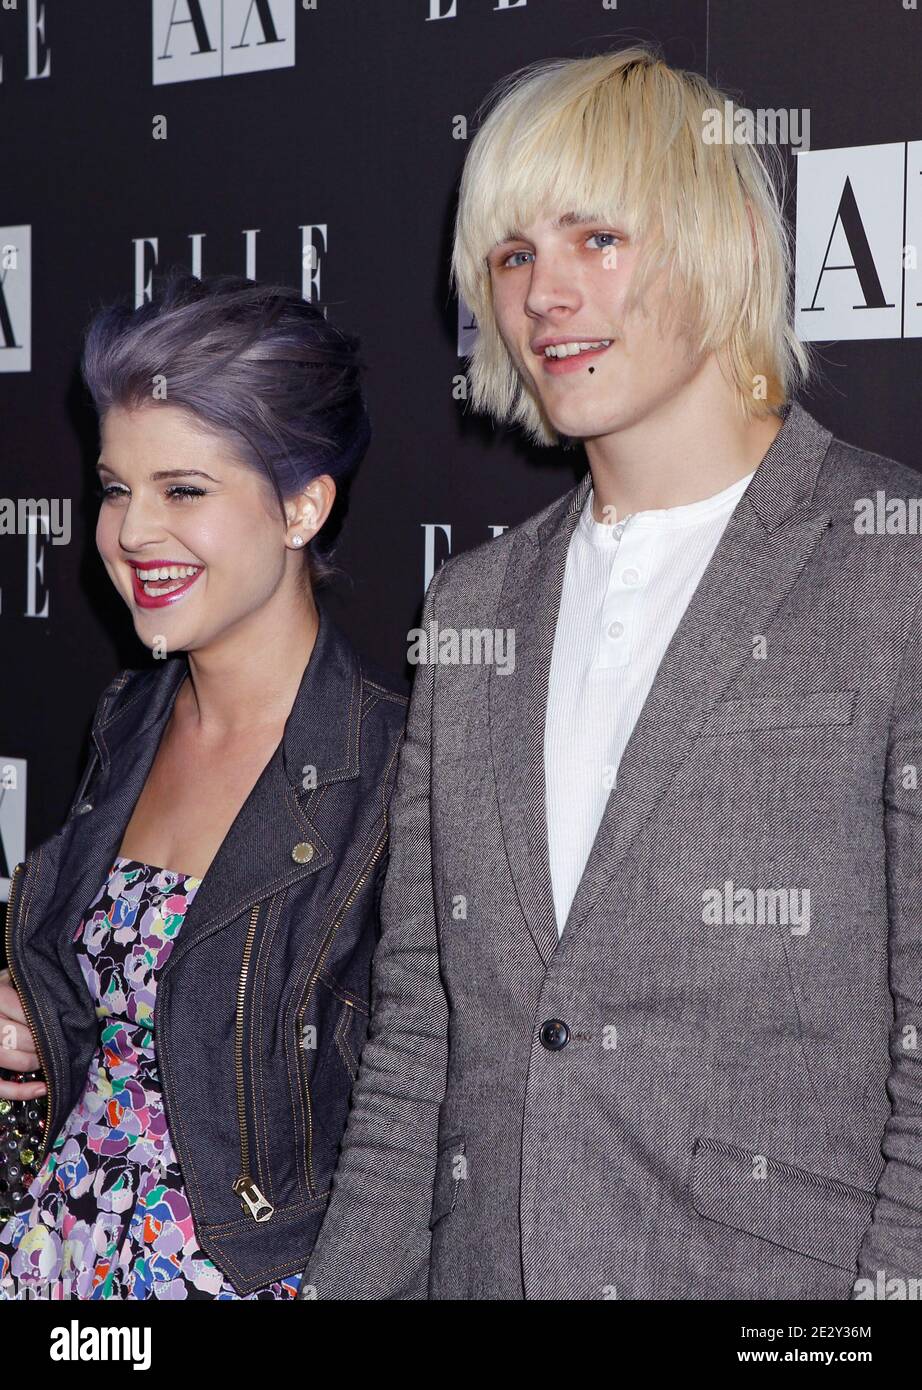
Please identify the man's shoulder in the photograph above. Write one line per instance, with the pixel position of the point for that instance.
(484, 566)
(877, 499)
(850, 467)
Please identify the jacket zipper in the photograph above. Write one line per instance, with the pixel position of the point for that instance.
(251, 1199)
(328, 941)
(18, 870)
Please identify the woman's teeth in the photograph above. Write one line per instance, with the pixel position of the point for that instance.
(176, 574)
(571, 349)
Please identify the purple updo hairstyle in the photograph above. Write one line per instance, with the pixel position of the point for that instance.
(258, 364)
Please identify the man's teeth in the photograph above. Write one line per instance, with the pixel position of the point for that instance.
(571, 349)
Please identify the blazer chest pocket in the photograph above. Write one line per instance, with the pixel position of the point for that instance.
(818, 708)
(450, 1173)
(789, 1206)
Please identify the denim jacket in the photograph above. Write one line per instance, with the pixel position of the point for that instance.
(263, 1004)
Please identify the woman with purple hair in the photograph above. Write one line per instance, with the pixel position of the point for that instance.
(190, 954)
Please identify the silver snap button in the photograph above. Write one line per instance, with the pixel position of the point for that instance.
(303, 852)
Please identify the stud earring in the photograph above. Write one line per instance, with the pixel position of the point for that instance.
(297, 540)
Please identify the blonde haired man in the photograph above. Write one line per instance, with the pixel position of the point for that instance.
(648, 985)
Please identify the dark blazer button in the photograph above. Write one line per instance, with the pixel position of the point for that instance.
(83, 807)
(554, 1034)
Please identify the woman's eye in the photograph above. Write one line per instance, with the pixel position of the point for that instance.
(180, 491)
(185, 490)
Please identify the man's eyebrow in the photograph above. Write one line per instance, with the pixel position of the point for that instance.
(164, 472)
(566, 219)
(576, 219)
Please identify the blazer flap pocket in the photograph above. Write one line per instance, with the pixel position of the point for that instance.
(789, 1206)
(450, 1172)
(779, 712)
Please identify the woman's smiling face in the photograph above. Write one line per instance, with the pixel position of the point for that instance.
(174, 495)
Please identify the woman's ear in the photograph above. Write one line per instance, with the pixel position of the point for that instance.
(307, 512)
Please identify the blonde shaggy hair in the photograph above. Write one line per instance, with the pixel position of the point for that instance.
(620, 137)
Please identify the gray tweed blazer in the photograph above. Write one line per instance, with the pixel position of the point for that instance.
(711, 1086)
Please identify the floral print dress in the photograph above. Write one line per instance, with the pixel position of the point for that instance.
(108, 1216)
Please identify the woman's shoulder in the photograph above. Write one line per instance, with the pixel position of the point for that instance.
(384, 698)
(128, 685)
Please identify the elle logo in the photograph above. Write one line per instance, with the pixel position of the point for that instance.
(448, 9)
(38, 60)
(859, 230)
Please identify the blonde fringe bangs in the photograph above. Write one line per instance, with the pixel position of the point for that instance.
(620, 137)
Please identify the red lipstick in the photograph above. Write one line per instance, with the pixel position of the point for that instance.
(144, 600)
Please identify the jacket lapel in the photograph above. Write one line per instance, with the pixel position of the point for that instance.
(529, 605)
(767, 542)
(320, 743)
(765, 546)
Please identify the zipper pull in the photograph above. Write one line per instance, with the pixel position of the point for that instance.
(251, 1199)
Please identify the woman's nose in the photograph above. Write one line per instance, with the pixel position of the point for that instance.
(139, 525)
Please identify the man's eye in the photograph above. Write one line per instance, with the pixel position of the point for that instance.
(512, 257)
(612, 237)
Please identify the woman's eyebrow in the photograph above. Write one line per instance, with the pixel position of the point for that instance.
(164, 472)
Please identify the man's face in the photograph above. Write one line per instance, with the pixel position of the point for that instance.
(566, 280)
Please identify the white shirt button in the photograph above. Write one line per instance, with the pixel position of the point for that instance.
(631, 577)
(615, 629)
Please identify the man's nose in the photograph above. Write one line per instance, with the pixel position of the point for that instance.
(551, 286)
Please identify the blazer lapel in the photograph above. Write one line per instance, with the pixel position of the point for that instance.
(767, 542)
(529, 605)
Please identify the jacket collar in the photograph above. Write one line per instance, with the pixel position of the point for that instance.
(322, 729)
(285, 830)
(784, 480)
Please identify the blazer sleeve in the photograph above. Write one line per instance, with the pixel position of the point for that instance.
(893, 1242)
(374, 1241)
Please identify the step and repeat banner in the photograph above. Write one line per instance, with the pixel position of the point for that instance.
(319, 143)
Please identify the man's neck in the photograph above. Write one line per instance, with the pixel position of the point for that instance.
(675, 456)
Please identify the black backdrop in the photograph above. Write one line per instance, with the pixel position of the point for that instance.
(355, 136)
